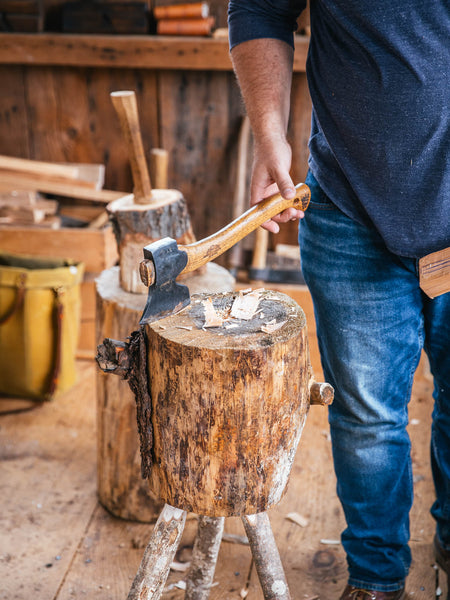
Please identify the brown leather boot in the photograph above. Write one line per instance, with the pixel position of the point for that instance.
(442, 558)
(354, 593)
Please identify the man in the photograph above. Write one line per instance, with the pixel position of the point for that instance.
(379, 173)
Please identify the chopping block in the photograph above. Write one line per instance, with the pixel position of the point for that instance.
(120, 487)
(226, 404)
(147, 214)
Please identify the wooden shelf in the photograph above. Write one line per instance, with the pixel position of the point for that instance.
(140, 52)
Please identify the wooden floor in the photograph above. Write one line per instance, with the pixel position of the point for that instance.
(58, 543)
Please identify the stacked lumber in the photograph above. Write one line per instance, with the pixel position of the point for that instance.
(184, 19)
(23, 183)
(27, 208)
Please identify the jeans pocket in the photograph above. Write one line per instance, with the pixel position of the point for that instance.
(319, 200)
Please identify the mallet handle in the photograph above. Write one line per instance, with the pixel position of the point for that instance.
(125, 103)
(201, 252)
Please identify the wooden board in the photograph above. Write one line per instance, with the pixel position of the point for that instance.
(14, 116)
(134, 51)
(47, 489)
(95, 248)
(66, 115)
(200, 120)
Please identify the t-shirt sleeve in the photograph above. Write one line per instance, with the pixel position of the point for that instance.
(251, 19)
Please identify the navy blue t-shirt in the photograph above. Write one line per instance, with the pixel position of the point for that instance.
(379, 79)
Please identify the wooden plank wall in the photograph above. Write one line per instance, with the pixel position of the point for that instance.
(65, 114)
(60, 113)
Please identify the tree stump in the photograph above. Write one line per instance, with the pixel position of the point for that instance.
(120, 486)
(136, 225)
(228, 401)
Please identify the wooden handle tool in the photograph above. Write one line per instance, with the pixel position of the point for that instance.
(126, 107)
(201, 252)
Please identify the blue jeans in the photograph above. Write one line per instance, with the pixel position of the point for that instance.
(372, 322)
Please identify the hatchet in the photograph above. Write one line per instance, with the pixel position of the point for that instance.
(164, 260)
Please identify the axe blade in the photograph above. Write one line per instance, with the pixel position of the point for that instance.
(164, 300)
(165, 295)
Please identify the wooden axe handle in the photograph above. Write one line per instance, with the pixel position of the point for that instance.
(126, 107)
(201, 252)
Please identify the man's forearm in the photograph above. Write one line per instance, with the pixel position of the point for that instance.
(264, 71)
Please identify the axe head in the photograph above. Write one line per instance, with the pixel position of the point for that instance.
(165, 296)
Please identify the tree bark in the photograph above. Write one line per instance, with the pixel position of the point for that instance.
(229, 404)
(121, 488)
(160, 552)
(266, 556)
(204, 558)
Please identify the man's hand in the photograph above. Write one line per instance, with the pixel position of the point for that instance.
(271, 164)
(264, 70)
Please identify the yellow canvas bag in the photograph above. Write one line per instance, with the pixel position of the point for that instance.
(39, 323)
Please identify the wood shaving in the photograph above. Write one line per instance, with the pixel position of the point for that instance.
(298, 519)
(272, 326)
(212, 319)
(234, 538)
(180, 566)
(330, 542)
(179, 585)
(245, 305)
(187, 327)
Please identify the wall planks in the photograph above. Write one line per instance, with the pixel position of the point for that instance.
(58, 113)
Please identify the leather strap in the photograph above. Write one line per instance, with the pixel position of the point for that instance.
(58, 319)
(18, 301)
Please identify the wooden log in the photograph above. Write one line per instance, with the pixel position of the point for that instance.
(266, 556)
(229, 403)
(136, 225)
(160, 552)
(120, 486)
(204, 557)
(194, 27)
(193, 10)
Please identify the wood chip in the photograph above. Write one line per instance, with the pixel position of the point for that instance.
(272, 326)
(180, 566)
(298, 519)
(245, 305)
(212, 319)
(179, 585)
(330, 542)
(187, 327)
(234, 538)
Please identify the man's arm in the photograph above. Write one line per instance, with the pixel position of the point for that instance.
(264, 70)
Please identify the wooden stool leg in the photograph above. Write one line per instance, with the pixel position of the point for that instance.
(267, 559)
(204, 557)
(155, 565)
